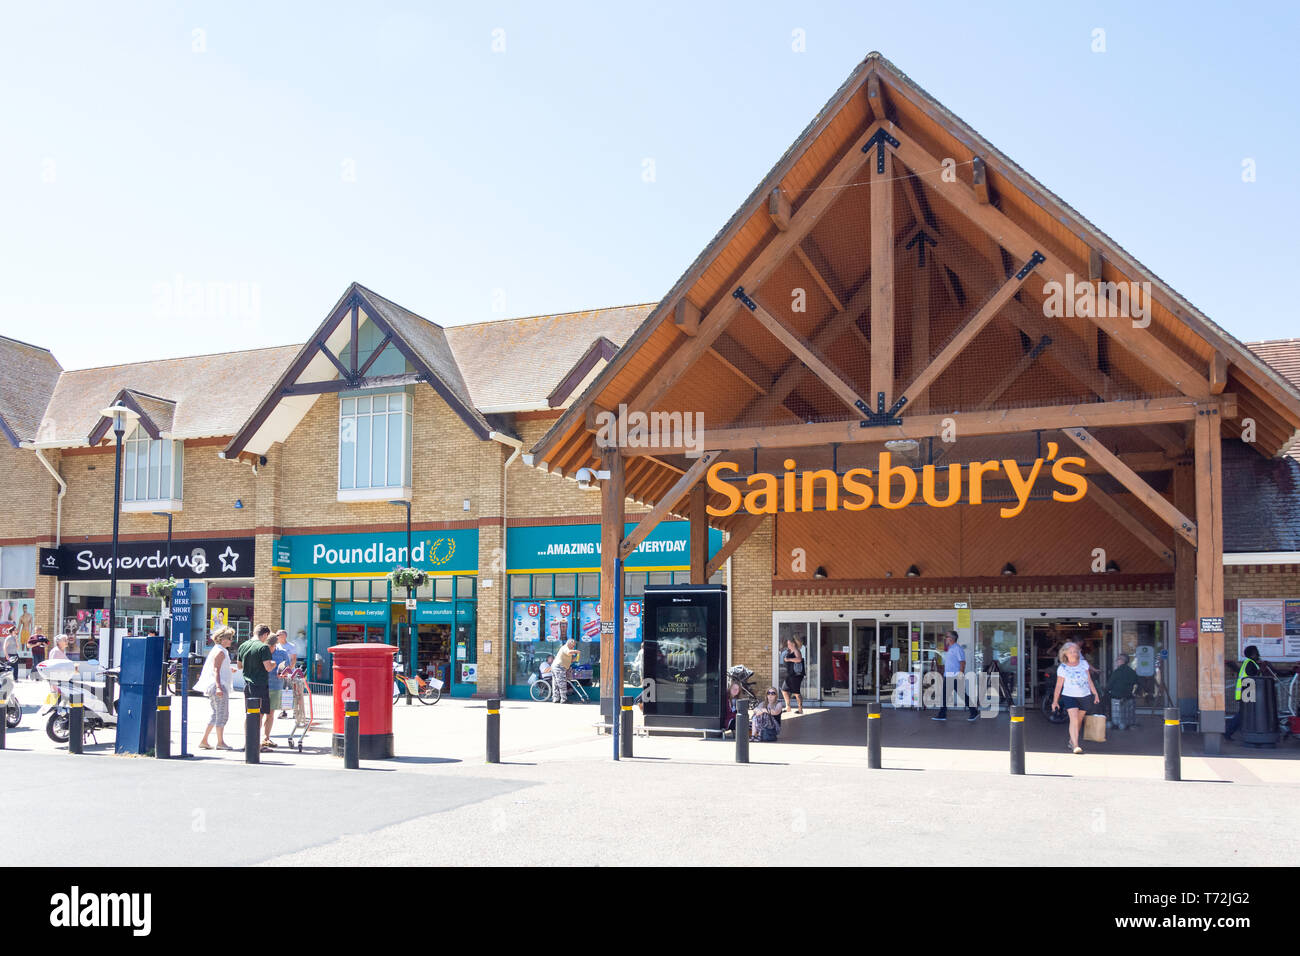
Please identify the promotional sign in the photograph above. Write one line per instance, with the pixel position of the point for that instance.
(191, 558)
(558, 615)
(632, 621)
(360, 613)
(218, 617)
(526, 622)
(468, 673)
(576, 547)
(439, 551)
(1273, 626)
(1144, 660)
(181, 608)
(16, 617)
(432, 612)
(589, 621)
(281, 555)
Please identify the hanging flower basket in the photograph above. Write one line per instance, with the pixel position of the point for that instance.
(407, 577)
(162, 588)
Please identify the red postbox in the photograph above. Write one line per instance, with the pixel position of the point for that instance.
(364, 673)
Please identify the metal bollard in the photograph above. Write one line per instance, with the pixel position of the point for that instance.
(494, 731)
(76, 722)
(4, 722)
(162, 745)
(742, 731)
(351, 734)
(252, 730)
(1017, 739)
(873, 737)
(625, 738)
(1173, 745)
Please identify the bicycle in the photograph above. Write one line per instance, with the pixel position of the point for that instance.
(426, 691)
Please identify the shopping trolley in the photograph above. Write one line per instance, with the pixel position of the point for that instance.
(303, 709)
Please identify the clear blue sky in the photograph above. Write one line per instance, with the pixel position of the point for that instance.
(310, 144)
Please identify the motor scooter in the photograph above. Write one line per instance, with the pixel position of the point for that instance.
(64, 677)
(13, 709)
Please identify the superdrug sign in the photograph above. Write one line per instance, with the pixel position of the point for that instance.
(197, 558)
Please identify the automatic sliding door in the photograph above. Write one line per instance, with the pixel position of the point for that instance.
(833, 652)
(997, 658)
(805, 638)
(864, 663)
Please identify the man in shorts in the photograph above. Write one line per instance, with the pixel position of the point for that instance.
(256, 662)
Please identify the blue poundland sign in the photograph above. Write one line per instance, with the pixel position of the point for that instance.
(443, 552)
(576, 547)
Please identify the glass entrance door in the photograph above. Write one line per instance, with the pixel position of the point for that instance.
(799, 632)
(865, 663)
(833, 651)
(998, 659)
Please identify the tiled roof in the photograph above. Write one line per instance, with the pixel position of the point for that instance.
(516, 363)
(30, 374)
(212, 394)
(1282, 354)
(161, 411)
(1263, 511)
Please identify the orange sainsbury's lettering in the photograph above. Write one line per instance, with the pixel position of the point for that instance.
(1069, 478)
(723, 488)
(852, 486)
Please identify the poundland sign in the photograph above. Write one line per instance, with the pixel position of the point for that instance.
(435, 551)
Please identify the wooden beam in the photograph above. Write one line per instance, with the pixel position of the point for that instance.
(739, 359)
(355, 344)
(715, 322)
(686, 316)
(979, 180)
(1141, 342)
(819, 278)
(374, 355)
(341, 385)
(739, 533)
(882, 281)
(968, 332)
(666, 503)
(923, 278)
(1130, 479)
(1183, 484)
(801, 350)
(778, 207)
(612, 516)
(1218, 373)
(699, 533)
(1113, 507)
(967, 424)
(1209, 573)
(875, 99)
(1014, 373)
(343, 369)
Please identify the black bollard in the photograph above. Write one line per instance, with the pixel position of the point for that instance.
(162, 744)
(76, 722)
(1173, 745)
(742, 731)
(252, 730)
(4, 722)
(351, 734)
(1017, 739)
(873, 737)
(494, 731)
(625, 737)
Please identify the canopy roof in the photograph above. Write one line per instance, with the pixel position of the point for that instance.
(995, 303)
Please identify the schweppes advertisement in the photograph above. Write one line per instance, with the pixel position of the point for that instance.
(891, 485)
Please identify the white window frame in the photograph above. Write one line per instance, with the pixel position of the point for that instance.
(389, 491)
(170, 498)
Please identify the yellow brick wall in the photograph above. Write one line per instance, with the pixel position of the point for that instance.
(29, 495)
(535, 493)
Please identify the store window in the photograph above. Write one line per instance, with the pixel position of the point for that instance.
(375, 445)
(151, 472)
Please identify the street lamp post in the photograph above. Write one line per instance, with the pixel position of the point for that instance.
(122, 417)
(167, 631)
(410, 591)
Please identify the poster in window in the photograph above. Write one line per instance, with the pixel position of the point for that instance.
(632, 619)
(527, 626)
(558, 615)
(1262, 623)
(1292, 646)
(589, 621)
(16, 618)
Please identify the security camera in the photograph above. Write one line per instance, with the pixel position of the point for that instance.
(587, 478)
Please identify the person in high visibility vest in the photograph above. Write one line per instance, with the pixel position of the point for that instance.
(1249, 668)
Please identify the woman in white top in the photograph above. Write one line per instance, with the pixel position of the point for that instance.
(1073, 688)
(60, 652)
(215, 684)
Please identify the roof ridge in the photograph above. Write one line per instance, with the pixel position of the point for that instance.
(30, 345)
(183, 358)
(554, 315)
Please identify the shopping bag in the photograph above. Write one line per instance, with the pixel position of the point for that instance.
(1094, 728)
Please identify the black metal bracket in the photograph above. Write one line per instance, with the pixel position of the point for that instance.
(878, 143)
(919, 240)
(880, 417)
(1028, 267)
(743, 297)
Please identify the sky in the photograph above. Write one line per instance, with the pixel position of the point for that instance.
(182, 178)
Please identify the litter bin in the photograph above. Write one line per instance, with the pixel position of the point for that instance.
(1259, 716)
(139, 675)
(364, 673)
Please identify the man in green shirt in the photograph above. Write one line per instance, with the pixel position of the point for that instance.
(1123, 682)
(256, 662)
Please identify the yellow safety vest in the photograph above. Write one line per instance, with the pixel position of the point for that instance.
(1241, 675)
